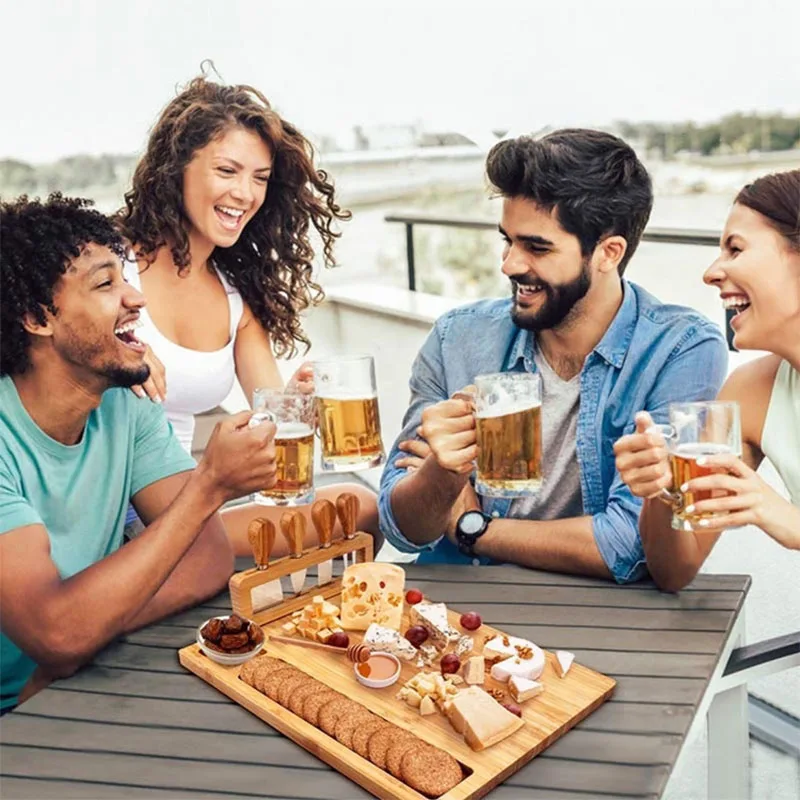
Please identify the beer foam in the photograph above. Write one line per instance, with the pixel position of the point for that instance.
(293, 430)
(509, 407)
(343, 395)
(693, 450)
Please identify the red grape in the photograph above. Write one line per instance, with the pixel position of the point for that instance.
(450, 663)
(413, 596)
(513, 708)
(339, 639)
(471, 621)
(417, 635)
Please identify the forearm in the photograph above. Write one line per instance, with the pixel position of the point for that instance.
(673, 557)
(423, 500)
(564, 545)
(102, 601)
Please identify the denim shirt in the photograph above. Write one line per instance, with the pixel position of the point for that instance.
(651, 355)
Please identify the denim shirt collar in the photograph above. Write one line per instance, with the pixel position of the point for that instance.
(611, 348)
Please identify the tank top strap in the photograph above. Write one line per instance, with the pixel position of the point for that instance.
(235, 304)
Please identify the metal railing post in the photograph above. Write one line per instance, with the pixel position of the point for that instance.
(412, 276)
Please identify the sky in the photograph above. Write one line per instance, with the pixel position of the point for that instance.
(91, 77)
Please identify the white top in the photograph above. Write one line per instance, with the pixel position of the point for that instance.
(781, 434)
(197, 381)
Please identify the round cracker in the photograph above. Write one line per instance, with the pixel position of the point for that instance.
(267, 666)
(276, 679)
(314, 702)
(380, 742)
(303, 691)
(364, 731)
(397, 749)
(248, 669)
(334, 709)
(430, 771)
(290, 685)
(346, 725)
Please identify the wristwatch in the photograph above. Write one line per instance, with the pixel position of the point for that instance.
(470, 527)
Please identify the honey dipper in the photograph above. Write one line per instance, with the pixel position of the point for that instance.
(357, 653)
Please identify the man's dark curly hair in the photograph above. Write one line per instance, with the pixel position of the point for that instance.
(271, 262)
(38, 240)
(594, 180)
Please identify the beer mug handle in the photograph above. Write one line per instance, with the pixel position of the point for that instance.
(670, 434)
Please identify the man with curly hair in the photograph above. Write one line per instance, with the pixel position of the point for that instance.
(76, 446)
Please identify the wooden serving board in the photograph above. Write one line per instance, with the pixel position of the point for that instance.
(564, 703)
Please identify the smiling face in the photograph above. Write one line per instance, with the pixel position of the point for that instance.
(549, 274)
(758, 274)
(93, 330)
(225, 184)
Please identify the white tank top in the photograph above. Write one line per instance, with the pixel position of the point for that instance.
(780, 439)
(197, 381)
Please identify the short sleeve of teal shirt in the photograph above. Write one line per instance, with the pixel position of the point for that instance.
(80, 493)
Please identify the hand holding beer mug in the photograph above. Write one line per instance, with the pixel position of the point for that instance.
(698, 431)
(508, 420)
(293, 414)
(347, 412)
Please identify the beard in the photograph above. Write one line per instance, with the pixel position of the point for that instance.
(125, 377)
(560, 300)
(92, 356)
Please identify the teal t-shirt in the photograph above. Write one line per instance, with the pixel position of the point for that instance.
(80, 493)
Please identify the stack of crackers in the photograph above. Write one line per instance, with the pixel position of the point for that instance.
(425, 768)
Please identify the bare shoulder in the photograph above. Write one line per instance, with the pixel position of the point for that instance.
(751, 386)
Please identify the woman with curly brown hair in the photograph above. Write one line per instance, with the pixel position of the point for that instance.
(218, 218)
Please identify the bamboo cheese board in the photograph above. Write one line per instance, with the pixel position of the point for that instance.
(563, 703)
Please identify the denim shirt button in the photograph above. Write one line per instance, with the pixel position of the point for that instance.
(495, 514)
(476, 562)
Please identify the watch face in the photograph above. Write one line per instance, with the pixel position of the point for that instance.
(471, 523)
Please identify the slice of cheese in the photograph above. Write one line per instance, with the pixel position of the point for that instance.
(564, 661)
(481, 719)
(530, 668)
(433, 617)
(505, 646)
(521, 689)
(474, 670)
(427, 706)
(372, 593)
(389, 641)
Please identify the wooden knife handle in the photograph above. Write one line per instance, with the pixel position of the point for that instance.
(323, 515)
(347, 506)
(293, 526)
(261, 535)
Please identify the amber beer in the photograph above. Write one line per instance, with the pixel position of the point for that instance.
(683, 460)
(294, 458)
(350, 431)
(510, 453)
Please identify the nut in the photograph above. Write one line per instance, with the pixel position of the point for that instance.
(524, 652)
(498, 694)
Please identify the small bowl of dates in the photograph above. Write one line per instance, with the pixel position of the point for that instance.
(230, 640)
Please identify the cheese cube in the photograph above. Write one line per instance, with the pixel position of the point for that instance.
(289, 628)
(324, 635)
(521, 689)
(372, 593)
(318, 600)
(427, 706)
(474, 670)
(433, 617)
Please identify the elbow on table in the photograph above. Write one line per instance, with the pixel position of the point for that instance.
(673, 579)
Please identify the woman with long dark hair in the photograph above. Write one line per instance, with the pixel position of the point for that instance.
(757, 274)
(219, 219)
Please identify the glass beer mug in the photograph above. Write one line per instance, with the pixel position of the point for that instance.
(347, 413)
(696, 430)
(293, 415)
(508, 420)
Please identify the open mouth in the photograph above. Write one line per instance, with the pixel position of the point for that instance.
(230, 217)
(526, 293)
(737, 303)
(126, 334)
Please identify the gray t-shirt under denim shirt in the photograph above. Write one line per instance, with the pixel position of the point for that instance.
(560, 495)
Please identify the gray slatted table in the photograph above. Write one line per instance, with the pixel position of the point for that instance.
(135, 724)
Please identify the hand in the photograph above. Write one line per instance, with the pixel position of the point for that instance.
(449, 429)
(155, 387)
(747, 499)
(418, 450)
(303, 379)
(239, 460)
(642, 460)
